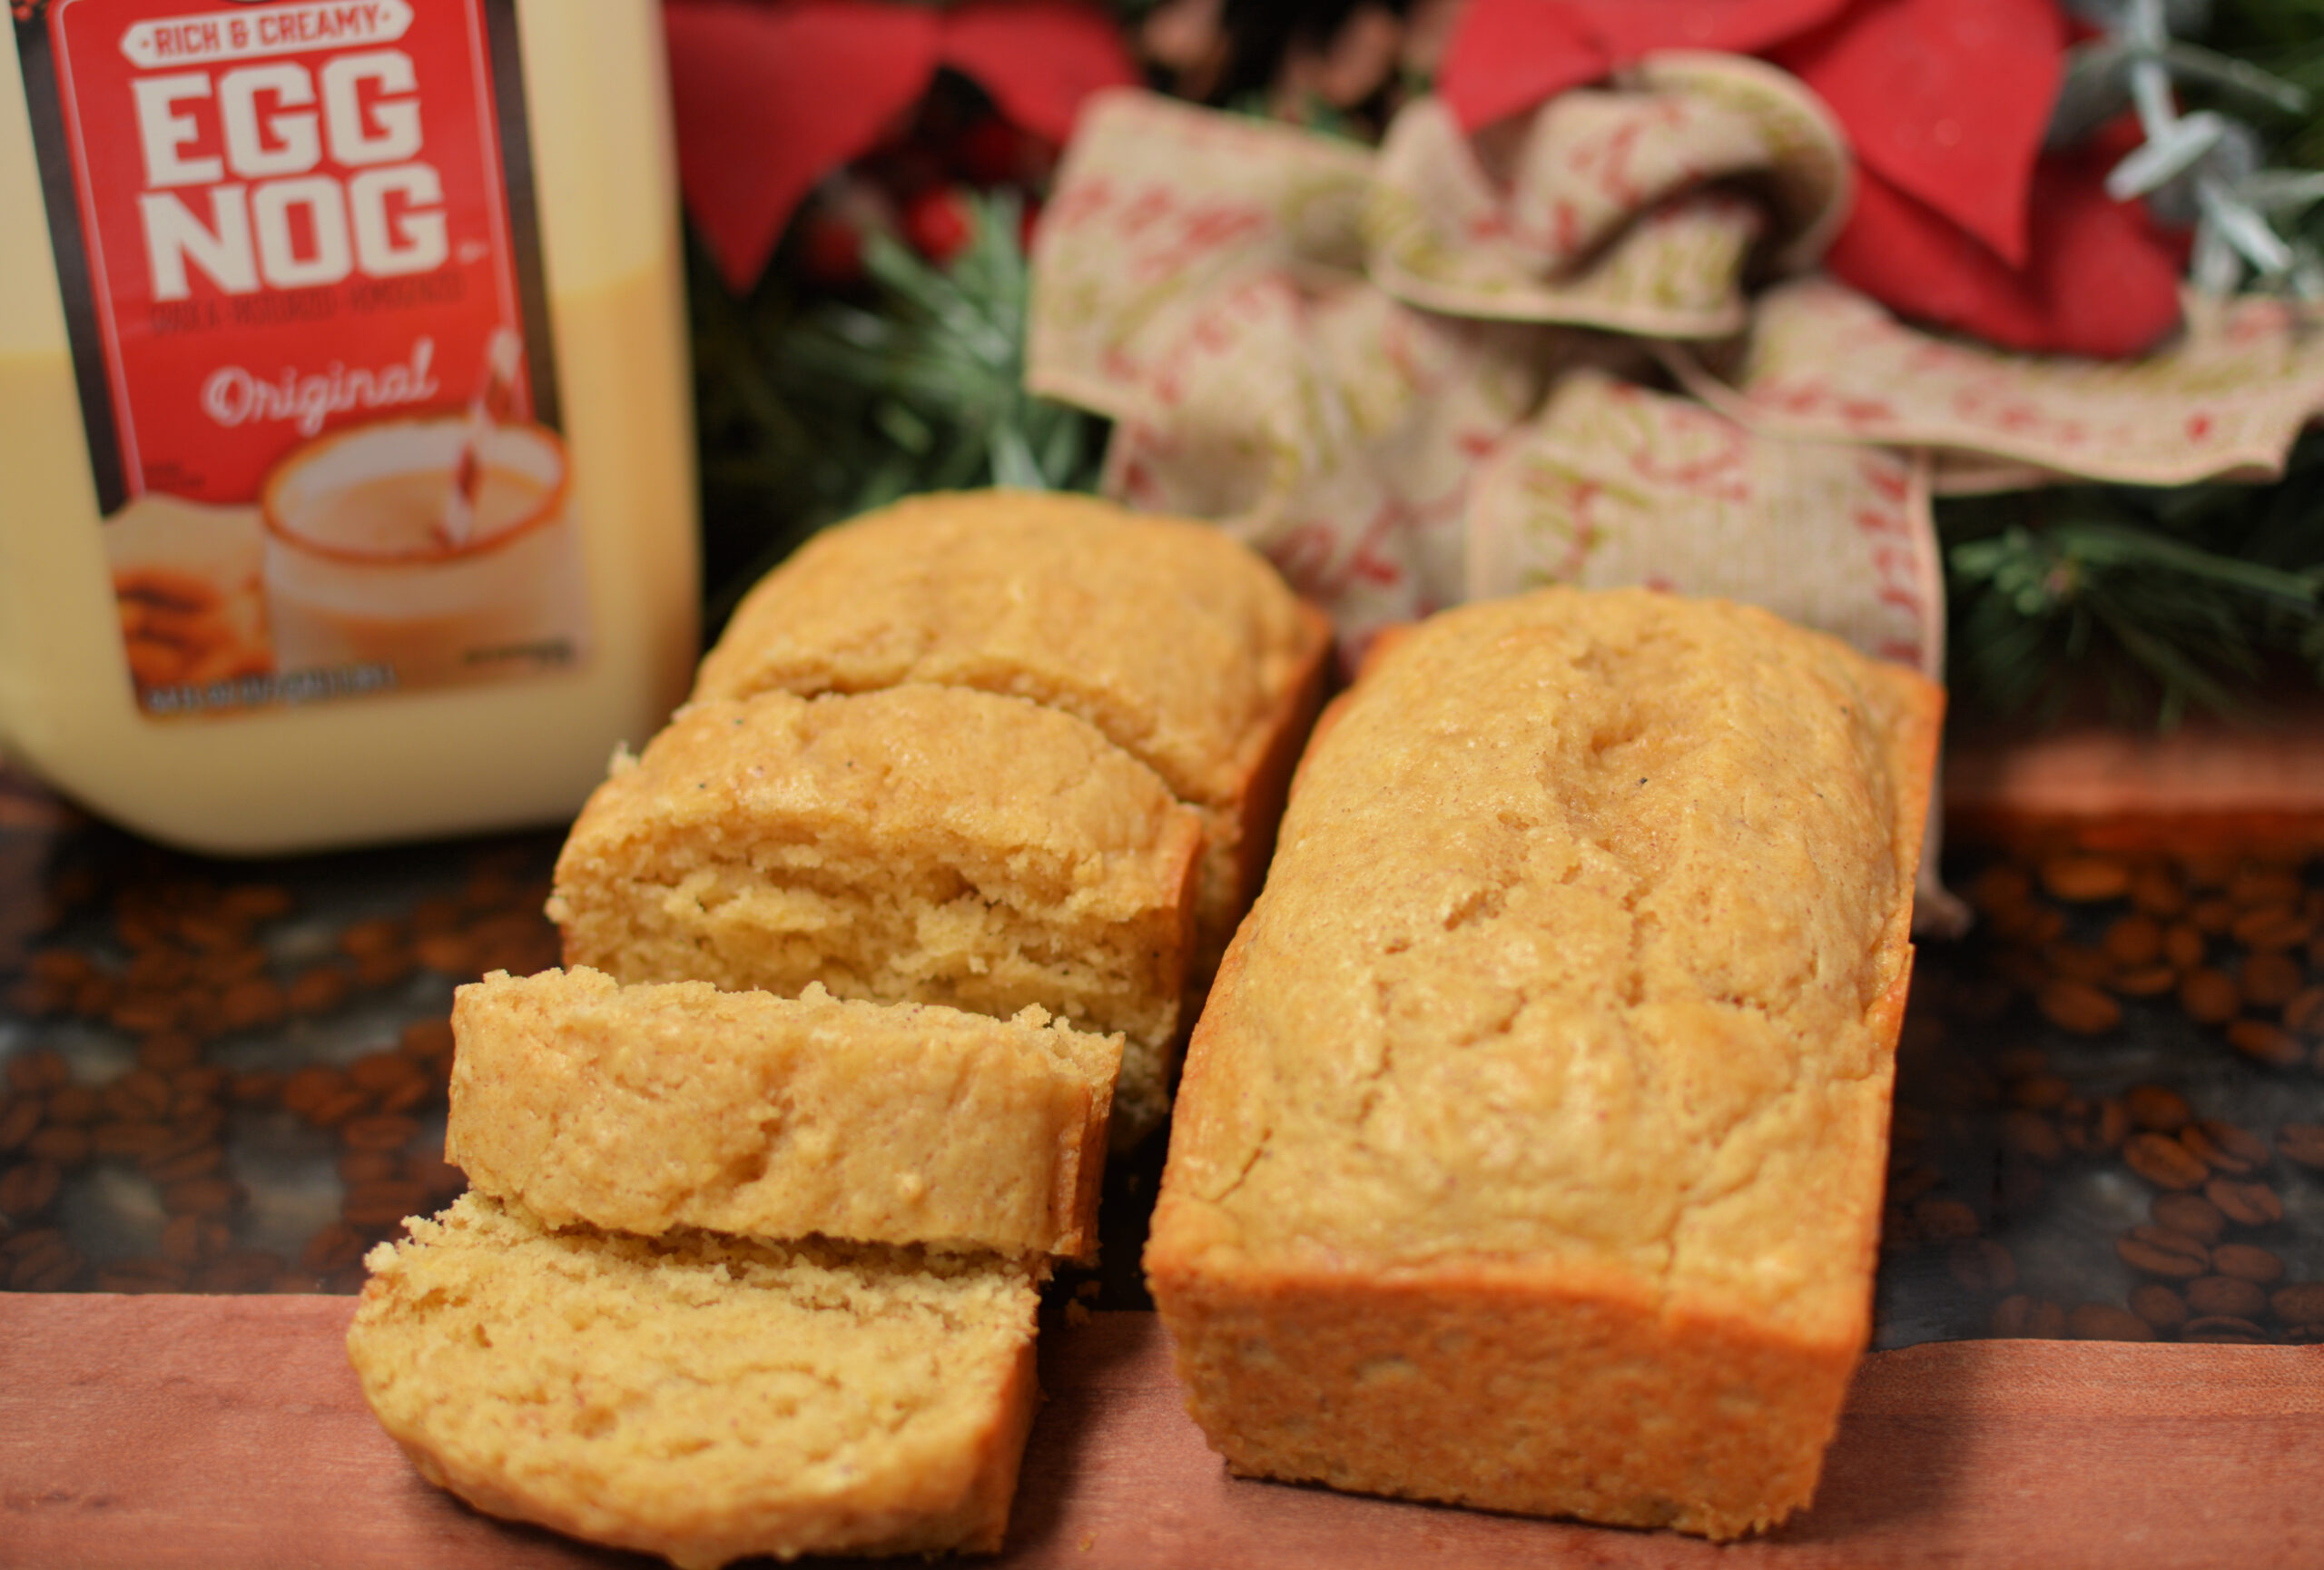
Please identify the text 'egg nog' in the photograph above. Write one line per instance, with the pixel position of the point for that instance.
(345, 446)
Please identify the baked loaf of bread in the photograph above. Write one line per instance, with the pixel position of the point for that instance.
(655, 1107)
(1530, 1151)
(917, 843)
(1178, 643)
(702, 1397)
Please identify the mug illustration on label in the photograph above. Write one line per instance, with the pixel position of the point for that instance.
(302, 281)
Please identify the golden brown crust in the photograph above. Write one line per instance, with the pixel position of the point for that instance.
(647, 1108)
(700, 1397)
(914, 843)
(1178, 643)
(1573, 993)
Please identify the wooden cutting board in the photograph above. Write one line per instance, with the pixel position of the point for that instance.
(210, 1432)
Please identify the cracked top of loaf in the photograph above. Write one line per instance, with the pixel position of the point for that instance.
(1026, 593)
(1582, 946)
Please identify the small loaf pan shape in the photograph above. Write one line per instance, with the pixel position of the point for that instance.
(1529, 1151)
(1178, 643)
(648, 1108)
(703, 1397)
(919, 843)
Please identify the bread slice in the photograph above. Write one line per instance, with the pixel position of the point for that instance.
(1530, 1151)
(660, 1106)
(919, 843)
(1178, 643)
(701, 1397)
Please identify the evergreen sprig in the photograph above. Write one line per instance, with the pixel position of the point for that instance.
(2150, 601)
(816, 410)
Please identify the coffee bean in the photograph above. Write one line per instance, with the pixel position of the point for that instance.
(2272, 930)
(369, 937)
(2105, 1322)
(1945, 1220)
(378, 1071)
(2255, 883)
(144, 1012)
(210, 1196)
(28, 1187)
(428, 1039)
(2040, 1091)
(2209, 1295)
(2247, 1204)
(332, 1248)
(19, 1120)
(2150, 981)
(2246, 1263)
(384, 968)
(63, 1146)
(2304, 1012)
(1981, 1264)
(442, 1180)
(2160, 1251)
(337, 1108)
(191, 1239)
(2302, 1303)
(2212, 916)
(2301, 1142)
(2223, 1147)
(2190, 1214)
(254, 1087)
(2085, 879)
(2159, 1306)
(2183, 945)
(383, 1204)
(2266, 1043)
(134, 1140)
(49, 1267)
(2224, 1331)
(413, 1093)
(141, 1095)
(141, 1275)
(309, 1087)
(2158, 1108)
(37, 1072)
(75, 1105)
(2209, 869)
(2133, 941)
(318, 990)
(2163, 1162)
(2032, 1135)
(2079, 963)
(168, 1051)
(244, 1270)
(2155, 890)
(445, 954)
(255, 1002)
(2269, 981)
(2210, 997)
(369, 1167)
(378, 1133)
(2113, 1124)
(184, 1166)
(2079, 1007)
(2033, 1318)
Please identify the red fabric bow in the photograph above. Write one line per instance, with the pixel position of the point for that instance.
(1959, 219)
(770, 98)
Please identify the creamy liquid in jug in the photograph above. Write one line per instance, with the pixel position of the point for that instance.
(186, 655)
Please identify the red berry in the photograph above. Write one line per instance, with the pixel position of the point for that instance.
(831, 248)
(938, 224)
(989, 152)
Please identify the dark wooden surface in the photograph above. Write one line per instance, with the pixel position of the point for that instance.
(212, 1432)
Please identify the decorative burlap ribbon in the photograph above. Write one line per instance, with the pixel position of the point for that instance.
(1459, 368)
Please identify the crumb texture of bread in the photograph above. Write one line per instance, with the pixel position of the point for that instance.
(701, 1397)
(1529, 1151)
(919, 843)
(1178, 643)
(647, 1108)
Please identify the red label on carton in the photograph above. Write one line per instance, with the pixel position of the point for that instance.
(299, 259)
